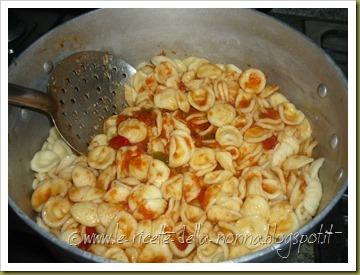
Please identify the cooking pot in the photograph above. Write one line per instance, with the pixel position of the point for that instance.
(306, 75)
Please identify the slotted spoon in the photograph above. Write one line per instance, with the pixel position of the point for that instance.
(83, 90)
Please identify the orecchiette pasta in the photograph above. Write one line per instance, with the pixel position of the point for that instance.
(252, 81)
(202, 99)
(134, 130)
(56, 211)
(206, 163)
(85, 213)
(181, 148)
(221, 114)
(228, 135)
(82, 176)
(101, 157)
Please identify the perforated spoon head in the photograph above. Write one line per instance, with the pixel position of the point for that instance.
(86, 88)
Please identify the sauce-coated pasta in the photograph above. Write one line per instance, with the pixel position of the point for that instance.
(203, 151)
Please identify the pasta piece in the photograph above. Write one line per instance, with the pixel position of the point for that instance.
(139, 167)
(71, 236)
(165, 68)
(98, 249)
(288, 146)
(188, 79)
(146, 202)
(228, 136)
(158, 173)
(132, 253)
(173, 209)
(225, 209)
(237, 250)
(290, 115)
(296, 162)
(180, 149)
(313, 190)
(225, 160)
(303, 131)
(98, 140)
(272, 189)
(255, 205)
(282, 219)
(130, 95)
(122, 229)
(203, 161)
(131, 181)
(182, 101)
(110, 127)
(83, 177)
(117, 254)
(245, 102)
(107, 212)
(180, 66)
(193, 63)
(117, 193)
(218, 176)
(276, 99)
(182, 244)
(252, 81)
(211, 252)
(221, 90)
(191, 216)
(65, 168)
(191, 186)
(85, 193)
(44, 161)
(208, 70)
(101, 157)
(85, 213)
(202, 99)
(172, 188)
(134, 130)
(230, 187)
(155, 253)
(166, 100)
(106, 177)
(221, 114)
(256, 134)
(269, 90)
(138, 80)
(60, 148)
(46, 189)
(56, 211)
(254, 229)
(162, 224)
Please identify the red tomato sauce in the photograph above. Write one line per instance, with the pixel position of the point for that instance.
(269, 113)
(270, 143)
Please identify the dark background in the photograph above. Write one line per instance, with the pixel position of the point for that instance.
(326, 27)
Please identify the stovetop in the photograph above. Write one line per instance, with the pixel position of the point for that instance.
(326, 27)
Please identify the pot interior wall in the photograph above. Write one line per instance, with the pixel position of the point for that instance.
(223, 36)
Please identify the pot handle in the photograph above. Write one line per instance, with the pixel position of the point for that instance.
(26, 97)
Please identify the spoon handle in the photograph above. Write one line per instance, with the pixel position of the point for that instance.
(26, 97)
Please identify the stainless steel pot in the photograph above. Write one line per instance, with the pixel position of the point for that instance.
(233, 36)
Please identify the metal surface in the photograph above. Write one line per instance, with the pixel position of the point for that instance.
(84, 89)
(233, 36)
